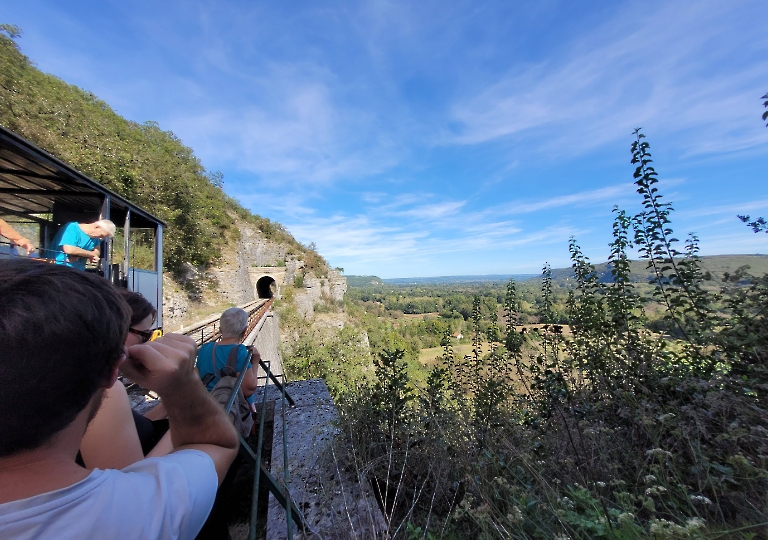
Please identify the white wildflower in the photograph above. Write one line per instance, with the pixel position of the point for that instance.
(700, 499)
(658, 452)
(515, 515)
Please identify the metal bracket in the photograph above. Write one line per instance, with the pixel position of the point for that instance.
(277, 490)
(277, 383)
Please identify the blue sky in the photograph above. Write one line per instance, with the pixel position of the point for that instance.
(440, 138)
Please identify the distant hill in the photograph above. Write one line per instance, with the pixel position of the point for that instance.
(490, 278)
(363, 281)
(717, 265)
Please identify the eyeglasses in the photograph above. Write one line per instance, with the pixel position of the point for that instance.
(145, 335)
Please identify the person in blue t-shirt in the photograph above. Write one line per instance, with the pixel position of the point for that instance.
(76, 243)
(233, 325)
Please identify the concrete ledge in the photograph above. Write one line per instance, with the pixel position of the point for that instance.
(334, 502)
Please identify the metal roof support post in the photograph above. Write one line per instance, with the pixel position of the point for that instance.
(127, 247)
(106, 252)
(159, 270)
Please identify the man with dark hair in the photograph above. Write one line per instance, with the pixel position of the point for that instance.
(62, 336)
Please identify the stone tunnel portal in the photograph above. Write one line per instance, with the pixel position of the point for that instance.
(266, 287)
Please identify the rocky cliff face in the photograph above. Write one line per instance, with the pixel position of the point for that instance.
(232, 280)
(331, 287)
(175, 303)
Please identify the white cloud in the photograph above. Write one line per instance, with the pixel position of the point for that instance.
(648, 68)
(433, 211)
(584, 198)
(406, 232)
(741, 208)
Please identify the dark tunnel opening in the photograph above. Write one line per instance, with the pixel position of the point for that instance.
(266, 287)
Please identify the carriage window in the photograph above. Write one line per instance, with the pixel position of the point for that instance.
(142, 250)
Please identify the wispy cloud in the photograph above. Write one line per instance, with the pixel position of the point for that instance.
(385, 236)
(745, 207)
(636, 69)
(584, 198)
(300, 135)
(433, 211)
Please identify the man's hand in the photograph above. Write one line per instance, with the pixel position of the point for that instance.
(196, 420)
(162, 364)
(95, 255)
(25, 243)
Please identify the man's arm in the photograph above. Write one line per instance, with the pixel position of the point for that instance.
(250, 382)
(251, 378)
(196, 420)
(80, 252)
(11, 234)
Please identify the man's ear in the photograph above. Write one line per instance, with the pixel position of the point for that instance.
(113, 374)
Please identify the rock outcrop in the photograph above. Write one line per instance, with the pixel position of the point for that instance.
(324, 289)
(235, 279)
(175, 304)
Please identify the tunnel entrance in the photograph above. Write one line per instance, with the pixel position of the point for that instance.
(266, 287)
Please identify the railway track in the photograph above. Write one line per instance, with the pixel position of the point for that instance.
(208, 329)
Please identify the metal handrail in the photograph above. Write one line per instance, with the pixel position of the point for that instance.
(281, 493)
(257, 477)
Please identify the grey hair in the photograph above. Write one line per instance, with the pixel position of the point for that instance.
(233, 322)
(106, 226)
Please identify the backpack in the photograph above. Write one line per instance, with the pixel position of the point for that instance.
(240, 414)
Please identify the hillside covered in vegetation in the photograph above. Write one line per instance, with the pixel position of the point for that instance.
(147, 165)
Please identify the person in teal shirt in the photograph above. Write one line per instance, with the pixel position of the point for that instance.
(233, 325)
(76, 243)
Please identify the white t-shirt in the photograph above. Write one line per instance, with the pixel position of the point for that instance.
(163, 497)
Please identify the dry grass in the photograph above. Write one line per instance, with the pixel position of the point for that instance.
(431, 357)
(420, 315)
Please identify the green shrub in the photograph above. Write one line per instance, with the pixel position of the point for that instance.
(611, 431)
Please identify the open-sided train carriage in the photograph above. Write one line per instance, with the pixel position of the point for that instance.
(39, 193)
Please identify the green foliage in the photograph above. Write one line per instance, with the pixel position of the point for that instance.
(391, 386)
(765, 104)
(617, 426)
(677, 281)
(758, 225)
(547, 308)
(340, 358)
